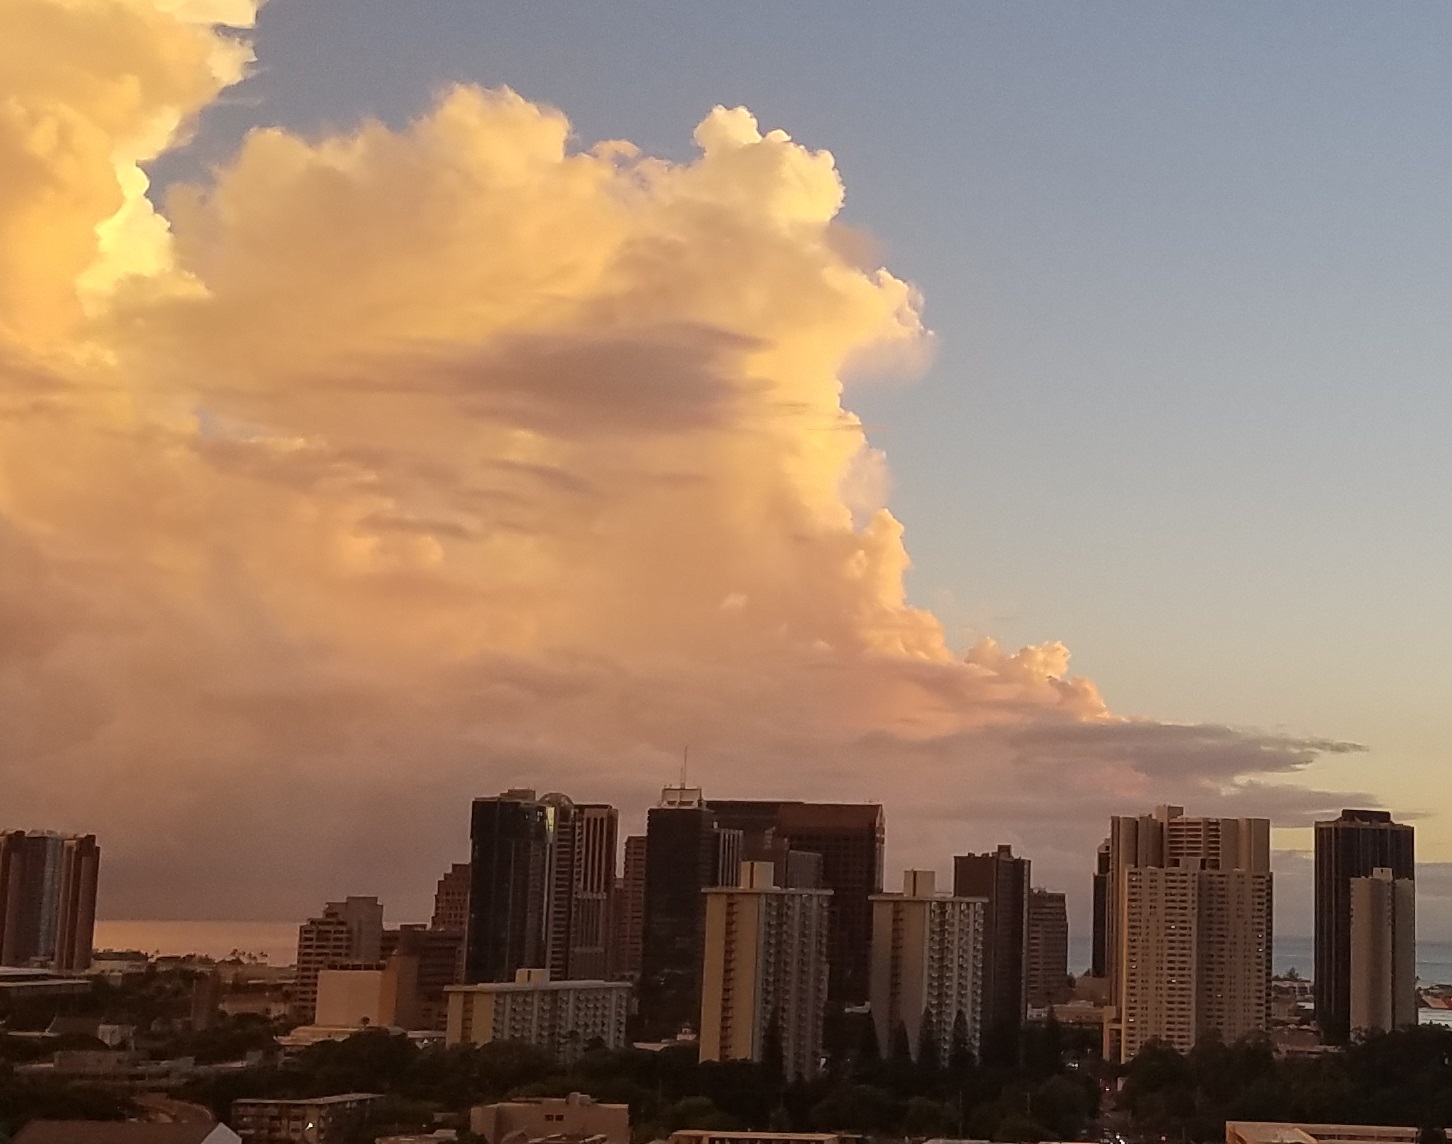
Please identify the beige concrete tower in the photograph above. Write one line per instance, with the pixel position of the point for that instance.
(765, 971)
(927, 964)
(1383, 952)
(1189, 921)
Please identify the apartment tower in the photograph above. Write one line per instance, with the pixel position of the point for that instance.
(764, 975)
(1383, 952)
(686, 852)
(347, 933)
(927, 967)
(1046, 969)
(48, 898)
(1189, 914)
(1352, 846)
(1003, 882)
(848, 837)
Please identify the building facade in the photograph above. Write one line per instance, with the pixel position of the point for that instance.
(563, 1017)
(629, 916)
(1383, 952)
(849, 838)
(316, 1120)
(582, 886)
(509, 863)
(349, 933)
(685, 854)
(1189, 913)
(1099, 949)
(48, 886)
(1046, 969)
(439, 955)
(927, 967)
(1352, 846)
(451, 899)
(764, 975)
(1002, 881)
(575, 1117)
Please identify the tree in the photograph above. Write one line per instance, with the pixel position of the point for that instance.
(930, 1055)
(960, 1054)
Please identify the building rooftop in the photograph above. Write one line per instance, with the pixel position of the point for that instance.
(307, 1101)
(112, 1132)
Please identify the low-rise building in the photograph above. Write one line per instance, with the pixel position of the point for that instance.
(1271, 1132)
(563, 1017)
(317, 1120)
(713, 1136)
(577, 1116)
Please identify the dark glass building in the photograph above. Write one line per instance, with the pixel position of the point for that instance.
(1004, 881)
(1348, 847)
(685, 854)
(508, 886)
(849, 839)
(1099, 955)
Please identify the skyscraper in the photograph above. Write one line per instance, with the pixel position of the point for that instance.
(48, 887)
(581, 886)
(509, 886)
(849, 837)
(765, 972)
(1189, 916)
(683, 856)
(630, 910)
(1383, 952)
(1046, 969)
(1003, 882)
(346, 933)
(1099, 953)
(927, 967)
(1352, 846)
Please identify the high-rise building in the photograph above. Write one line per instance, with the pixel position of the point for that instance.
(765, 972)
(684, 855)
(849, 838)
(582, 884)
(1352, 846)
(1046, 969)
(630, 910)
(346, 933)
(451, 899)
(509, 864)
(48, 898)
(439, 955)
(1383, 952)
(1099, 953)
(1189, 915)
(927, 967)
(1003, 882)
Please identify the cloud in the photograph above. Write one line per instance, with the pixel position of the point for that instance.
(396, 466)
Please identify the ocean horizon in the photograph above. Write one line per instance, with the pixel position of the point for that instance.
(276, 942)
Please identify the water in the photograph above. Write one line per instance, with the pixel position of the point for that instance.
(274, 942)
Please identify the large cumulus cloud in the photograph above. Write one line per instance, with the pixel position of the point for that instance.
(397, 466)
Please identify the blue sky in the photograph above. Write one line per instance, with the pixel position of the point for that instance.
(1188, 269)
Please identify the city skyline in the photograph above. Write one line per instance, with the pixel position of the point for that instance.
(406, 439)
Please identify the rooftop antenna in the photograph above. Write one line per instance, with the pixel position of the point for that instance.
(685, 764)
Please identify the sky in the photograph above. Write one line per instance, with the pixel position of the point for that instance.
(403, 444)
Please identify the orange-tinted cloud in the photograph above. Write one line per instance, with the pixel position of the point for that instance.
(394, 467)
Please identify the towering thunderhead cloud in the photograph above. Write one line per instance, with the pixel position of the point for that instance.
(393, 467)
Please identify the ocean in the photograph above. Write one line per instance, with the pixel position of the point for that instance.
(276, 942)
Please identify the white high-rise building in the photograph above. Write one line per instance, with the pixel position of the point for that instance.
(765, 971)
(927, 964)
(1189, 928)
(1383, 952)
